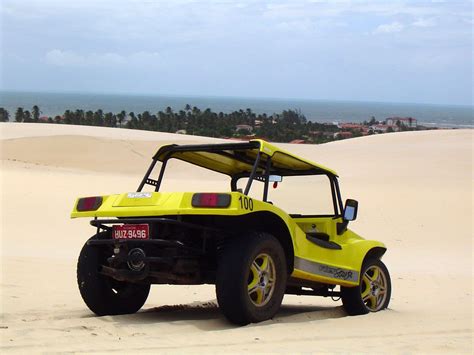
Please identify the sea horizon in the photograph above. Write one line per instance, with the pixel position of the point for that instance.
(317, 110)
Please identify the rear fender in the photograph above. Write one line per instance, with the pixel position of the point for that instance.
(267, 222)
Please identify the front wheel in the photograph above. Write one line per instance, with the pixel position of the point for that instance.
(103, 295)
(373, 292)
(251, 278)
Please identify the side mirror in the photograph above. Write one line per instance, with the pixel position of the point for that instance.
(275, 178)
(350, 210)
(349, 214)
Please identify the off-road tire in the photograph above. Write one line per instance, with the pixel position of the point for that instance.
(234, 264)
(103, 295)
(352, 296)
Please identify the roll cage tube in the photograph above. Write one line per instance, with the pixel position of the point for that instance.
(252, 174)
(338, 194)
(146, 179)
(266, 166)
(157, 183)
(162, 172)
(267, 177)
(147, 174)
(335, 192)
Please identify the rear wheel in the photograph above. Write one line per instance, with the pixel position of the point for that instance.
(373, 292)
(251, 278)
(104, 295)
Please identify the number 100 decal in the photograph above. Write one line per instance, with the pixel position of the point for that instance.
(246, 203)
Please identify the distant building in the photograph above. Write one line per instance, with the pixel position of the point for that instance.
(404, 121)
(382, 128)
(321, 133)
(350, 126)
(343, 135)
(44, 119)
(243, 127)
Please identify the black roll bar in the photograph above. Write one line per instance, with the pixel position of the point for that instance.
(252, 174)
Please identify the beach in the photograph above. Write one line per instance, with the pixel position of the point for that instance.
(415, 195)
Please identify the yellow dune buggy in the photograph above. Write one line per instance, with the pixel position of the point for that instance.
(239, 239)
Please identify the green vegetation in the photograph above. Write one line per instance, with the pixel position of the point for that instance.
(286, 126)
(4, 115)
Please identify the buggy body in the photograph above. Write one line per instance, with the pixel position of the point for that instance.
(249, 247)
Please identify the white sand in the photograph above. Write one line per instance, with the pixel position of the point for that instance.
(415, 194)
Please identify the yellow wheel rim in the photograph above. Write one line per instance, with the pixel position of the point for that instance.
(374, 288)
(261, 280)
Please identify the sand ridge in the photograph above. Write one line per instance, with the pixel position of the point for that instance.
(415, 195)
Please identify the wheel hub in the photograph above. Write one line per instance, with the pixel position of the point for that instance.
(374, 293)
(261, 282)
(375, 290)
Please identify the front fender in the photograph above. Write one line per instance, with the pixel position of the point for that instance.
(360, 249)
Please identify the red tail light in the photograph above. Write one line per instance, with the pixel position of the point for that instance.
(89, 203)
(211, 200)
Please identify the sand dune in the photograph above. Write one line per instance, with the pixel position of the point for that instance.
(415, 194)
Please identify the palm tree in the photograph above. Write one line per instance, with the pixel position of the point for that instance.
(110, 119)
(78, 117)
(36, 113)
(27, 116)
(68, 119)
(196, 111)
(98, 118)
(4, 115)
(133, 122)
(89, 118)
(19, 114)
(121, 117)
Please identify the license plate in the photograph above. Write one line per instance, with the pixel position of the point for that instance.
(131, 231)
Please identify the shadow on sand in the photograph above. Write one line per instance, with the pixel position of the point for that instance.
(207, 316)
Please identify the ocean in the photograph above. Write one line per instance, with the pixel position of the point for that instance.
(52, 104)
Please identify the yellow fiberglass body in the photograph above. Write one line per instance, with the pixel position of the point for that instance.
(319, 250)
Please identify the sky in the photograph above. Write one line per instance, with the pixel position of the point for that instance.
(388, 51)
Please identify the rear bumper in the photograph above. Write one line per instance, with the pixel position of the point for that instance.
(168, 257)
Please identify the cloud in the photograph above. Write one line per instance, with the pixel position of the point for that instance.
(220, 46)
(64, 58)
(423, 22)
(296, 26)
(389, 28)
(325, 9)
